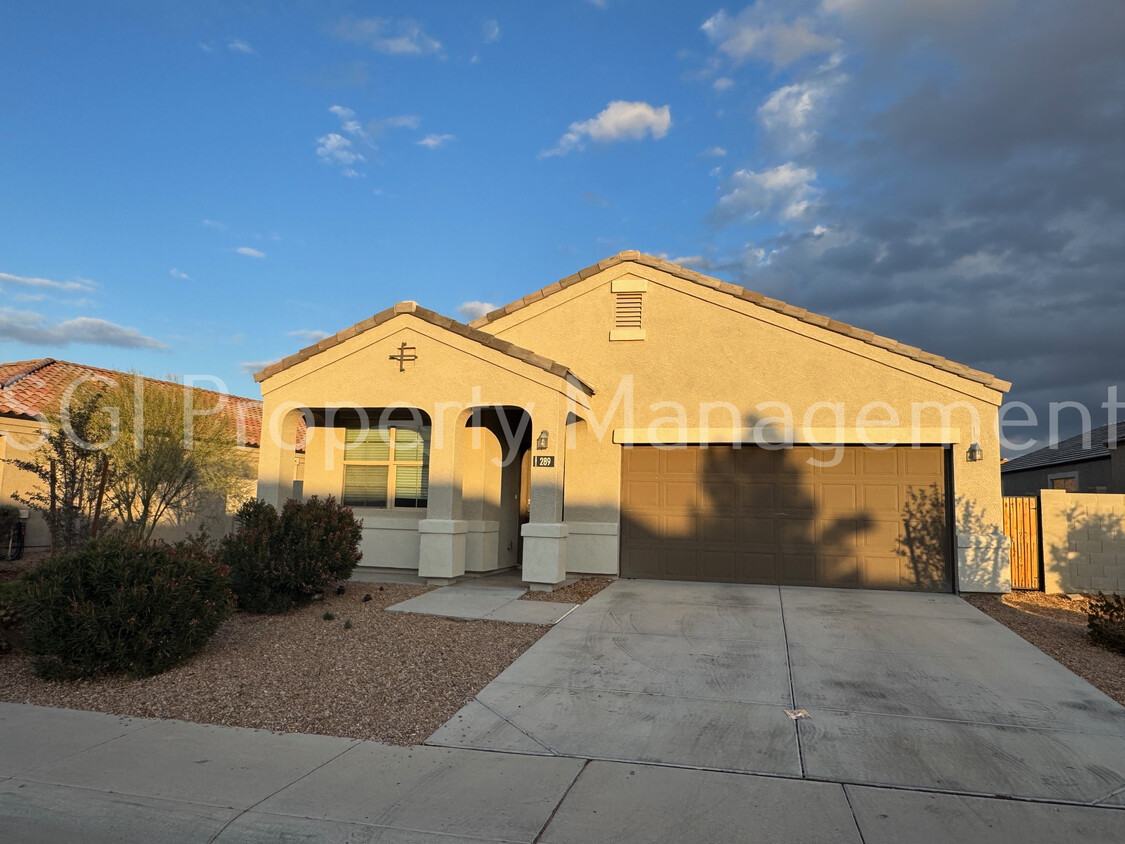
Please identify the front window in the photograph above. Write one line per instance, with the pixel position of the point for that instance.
(387, 467)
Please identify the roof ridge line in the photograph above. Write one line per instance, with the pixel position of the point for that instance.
(801, 314)
(40, 363)
(434, 318)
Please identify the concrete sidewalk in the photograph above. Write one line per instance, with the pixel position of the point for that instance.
(82, 776)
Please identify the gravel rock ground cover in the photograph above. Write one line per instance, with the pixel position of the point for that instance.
(1057, 626)
(391, 677)
(576, 593)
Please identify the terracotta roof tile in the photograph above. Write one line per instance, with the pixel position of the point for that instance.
(32, 388)
(773, 304)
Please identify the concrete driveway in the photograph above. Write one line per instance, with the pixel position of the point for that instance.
(902, 690)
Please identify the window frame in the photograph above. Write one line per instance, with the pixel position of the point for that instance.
(1062, 476)
(392, 464)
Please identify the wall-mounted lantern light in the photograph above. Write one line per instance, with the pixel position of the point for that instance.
(975, 454)
(541, 440)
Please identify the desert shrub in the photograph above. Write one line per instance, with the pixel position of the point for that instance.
(1105, 621)
(10, 633)
(281, 560)
(112, 606)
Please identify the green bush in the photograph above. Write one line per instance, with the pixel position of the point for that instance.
(1105, 620)
(112, 606)
(280, 561)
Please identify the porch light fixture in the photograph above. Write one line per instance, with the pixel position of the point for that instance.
(975, 454)
(541, 440)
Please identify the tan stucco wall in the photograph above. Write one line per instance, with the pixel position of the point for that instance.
(451, 375)
(1083, 541)
(702, 345)
(216, 516)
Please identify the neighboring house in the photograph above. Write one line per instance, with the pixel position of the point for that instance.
(1089, 462)
(539, 436)
(31, 390)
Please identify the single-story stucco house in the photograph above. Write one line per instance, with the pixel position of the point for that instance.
(33, 392)
(1089, 462)
(644, 420)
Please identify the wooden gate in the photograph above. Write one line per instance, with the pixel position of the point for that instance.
(1021, 524)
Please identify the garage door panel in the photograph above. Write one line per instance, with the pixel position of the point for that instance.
(642, 460)
(924, 462)
(642, 494)
(765, 516)
(839, 497)
(838, 570)
(680, 495)
(880, 462)
(877, 498)
(680, 461)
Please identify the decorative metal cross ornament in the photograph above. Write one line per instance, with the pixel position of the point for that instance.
(405, 355)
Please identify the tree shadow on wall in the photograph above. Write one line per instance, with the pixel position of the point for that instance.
(1073, 568)
(927, 544)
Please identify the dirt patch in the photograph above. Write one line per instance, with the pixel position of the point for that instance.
(391, 677)
(576, 593)
(1057, 626)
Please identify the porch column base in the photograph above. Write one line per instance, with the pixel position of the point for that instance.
(441, 551)
(544, 554)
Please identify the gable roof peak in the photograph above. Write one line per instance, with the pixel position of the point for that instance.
(799, 314)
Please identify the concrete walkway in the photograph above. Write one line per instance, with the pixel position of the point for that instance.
(484, 601)
(82, 776)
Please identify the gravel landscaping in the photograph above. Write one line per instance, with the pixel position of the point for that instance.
(576, 593)
(391, 677)
(1057, 626)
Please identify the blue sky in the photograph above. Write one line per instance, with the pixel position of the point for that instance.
(200, 187)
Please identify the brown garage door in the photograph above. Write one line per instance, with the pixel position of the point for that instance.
(877, 520)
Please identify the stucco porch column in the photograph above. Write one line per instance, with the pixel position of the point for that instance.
(544, 536)
(443, 533)
(277, 451)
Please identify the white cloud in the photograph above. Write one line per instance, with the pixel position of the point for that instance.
(714, 152)
(335, 148)
(32, 328)
(490, 29)
(474, 310)
(310, 335)
(396, 38)
(255, 366)
(237, 45)
(753, 34)
(180, 275)
(620, 120)
(723, 83)
(250, 252)
(690, 261)
(77, 284)
(399, 121)
(207, 48)
(784, 192)
(435, 141)
(214, 224)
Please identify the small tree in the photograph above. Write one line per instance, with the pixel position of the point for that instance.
(68, 464)
(168, 460)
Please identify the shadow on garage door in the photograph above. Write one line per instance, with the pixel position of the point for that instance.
(877, 519)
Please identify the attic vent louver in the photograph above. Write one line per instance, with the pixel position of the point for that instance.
(628, 309)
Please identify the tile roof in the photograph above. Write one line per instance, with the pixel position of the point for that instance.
(1065, 451)
(433, 318)
(758, 299)
(32, 387)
